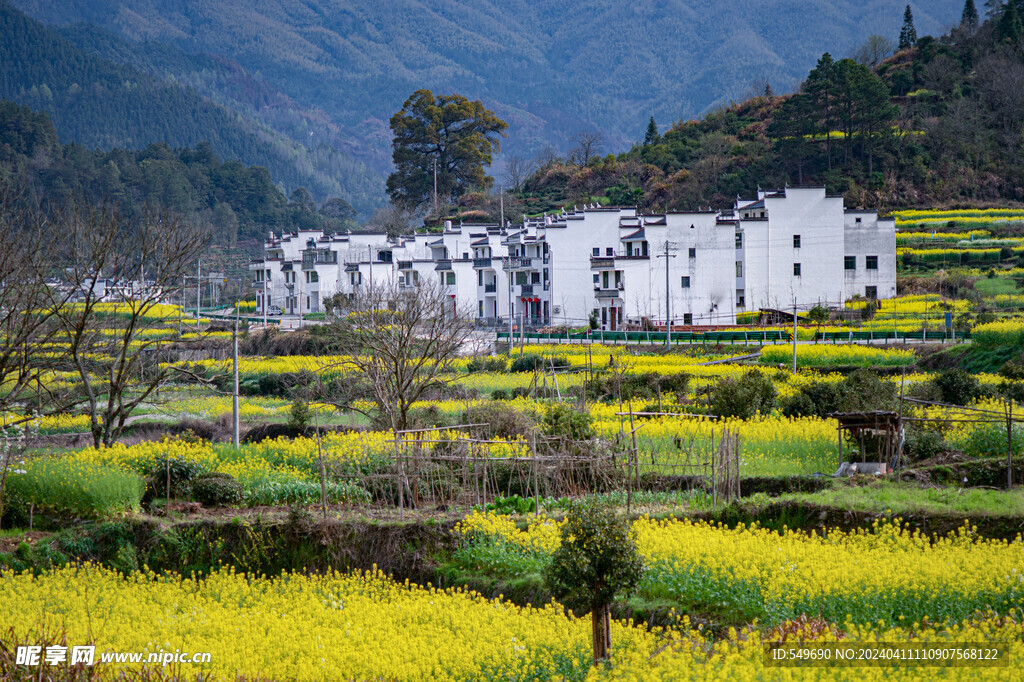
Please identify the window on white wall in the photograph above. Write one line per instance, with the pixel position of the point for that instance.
(739, 268)
(871, 262)
(796, 269)
(686, 282)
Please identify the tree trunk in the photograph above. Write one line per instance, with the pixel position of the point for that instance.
(601, 626)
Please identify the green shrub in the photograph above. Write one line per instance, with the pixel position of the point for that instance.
(566, 422)
(865, 391)
(217, 490)
(75, 489)
(487, 364)
(751, 394)
(924, 445)
(816, 399)
(499, 394)
(502, 421)
(300, 416)
(957, 386)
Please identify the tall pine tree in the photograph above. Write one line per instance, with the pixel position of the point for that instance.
(1009, 28)
(969, 17)
(908, 34)
(651, 136)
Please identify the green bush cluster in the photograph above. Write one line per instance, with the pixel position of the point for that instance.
(751, 394)
(217, 489)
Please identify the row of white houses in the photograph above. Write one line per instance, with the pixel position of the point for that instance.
(791, 246)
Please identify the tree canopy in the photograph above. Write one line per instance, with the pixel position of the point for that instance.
(456, 134)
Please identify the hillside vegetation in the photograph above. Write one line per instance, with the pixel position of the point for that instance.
(548, 68)
(241, 202)
(935, 125)
(105, 104)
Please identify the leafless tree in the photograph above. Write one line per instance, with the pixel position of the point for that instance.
(26, 326)
(398, 342)
(586, 146)
(392, 219)
(874, 50)
(516, 171)
(102, 256)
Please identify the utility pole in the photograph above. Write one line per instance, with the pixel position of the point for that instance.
(669, 248)
(794, 336)
(511, 341)
(435, 187)
(501, 199)
(234, 395)
(199, 285)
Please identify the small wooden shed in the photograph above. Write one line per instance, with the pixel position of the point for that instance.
(880, 435)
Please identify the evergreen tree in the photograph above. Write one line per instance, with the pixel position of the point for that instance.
(651, 136)
(457, 135)
(969, 17)
(908, 34)
(793, 128)
(821, 86)
(1009, 27)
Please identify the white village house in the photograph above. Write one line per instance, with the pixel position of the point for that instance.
(797, 245)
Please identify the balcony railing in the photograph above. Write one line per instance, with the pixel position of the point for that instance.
(598, 262)
(490, 288)
(526, 289)
(482, 263)
(444, 264)
(607, 293)
(516, 263)
(405, 265)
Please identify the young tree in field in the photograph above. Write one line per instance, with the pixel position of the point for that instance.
(398, 342)
(449, 133)
(908, 34)
(597, 562)
(100, 255)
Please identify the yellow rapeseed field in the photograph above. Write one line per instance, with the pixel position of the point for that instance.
(337, 626)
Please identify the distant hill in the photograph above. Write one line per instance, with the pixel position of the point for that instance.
(551, 68)
(937, 125)
(107, 104)
(241, 203)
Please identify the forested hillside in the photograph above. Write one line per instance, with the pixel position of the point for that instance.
(549, 68)
(937, 124)
(240, 202)
(103, 104)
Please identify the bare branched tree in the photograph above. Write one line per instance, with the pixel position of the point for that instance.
(26, 326)
(516, 171)
(398, 342)
(874, 50)
(392, 219)
(102, 257)
(586, 146)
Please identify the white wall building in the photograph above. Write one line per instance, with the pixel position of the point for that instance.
(698, 268)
